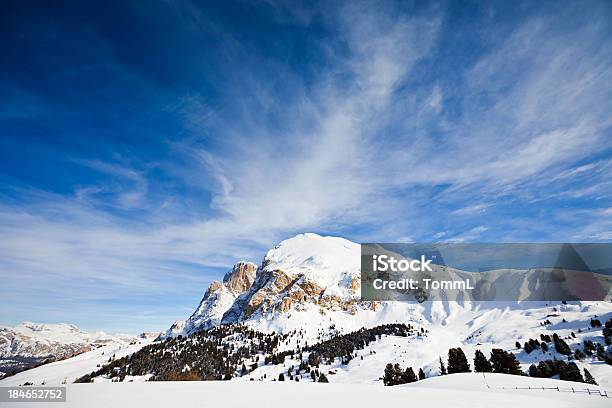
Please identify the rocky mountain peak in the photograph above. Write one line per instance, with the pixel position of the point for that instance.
(240, 278)
(306, 271)
(212, 288)
(217, 299)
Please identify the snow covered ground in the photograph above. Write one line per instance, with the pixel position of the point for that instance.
(70, 369)
(458, 390)
(470, 326)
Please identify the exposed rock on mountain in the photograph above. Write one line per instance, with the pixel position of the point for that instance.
(241, 277)
(149, 335)
(217, 299)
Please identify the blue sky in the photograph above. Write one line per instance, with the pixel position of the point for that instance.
(147, 146)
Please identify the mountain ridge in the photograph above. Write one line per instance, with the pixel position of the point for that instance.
(29, 344)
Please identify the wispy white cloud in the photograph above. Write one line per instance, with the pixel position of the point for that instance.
(469, 236)
(127, 191)
(472, 209)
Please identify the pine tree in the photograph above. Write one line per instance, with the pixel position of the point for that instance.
(408, 376)
(323, 378)
(457, 362)
(281, 377)
(389, 378)
(578, 354)
(545, 338)
(546, 369)
(442, 367)
(518, 345)
(589, 347)
(421, 374)
(481, 364)
(607, 333)
(561, 346)
(534, 372)
(588, 378)
(314, 359)
(513, 365)
(570, 372)
(504, 362)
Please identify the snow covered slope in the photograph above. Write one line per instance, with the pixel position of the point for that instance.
(32, 343)
(66, 371)
(458, 390)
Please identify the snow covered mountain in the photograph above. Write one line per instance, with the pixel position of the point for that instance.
(300, 272)
(217, 300)
(266, 320)
(311, 284)
(29, 344)
(306, 273)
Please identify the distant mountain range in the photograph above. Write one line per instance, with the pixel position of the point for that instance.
(30, 344)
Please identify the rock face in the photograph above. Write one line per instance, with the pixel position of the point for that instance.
(241, 278)
(217, 299)
(304, 270)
